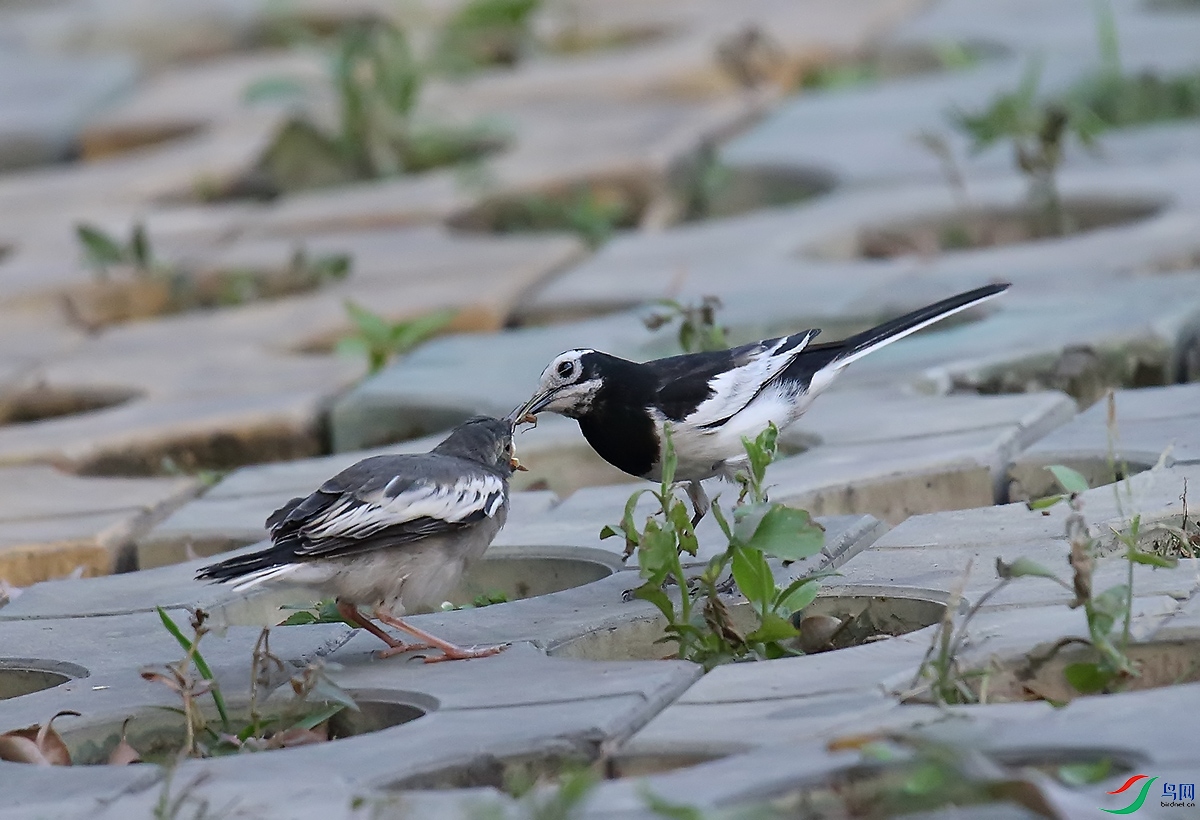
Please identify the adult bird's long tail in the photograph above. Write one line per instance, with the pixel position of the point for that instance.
(825, 361)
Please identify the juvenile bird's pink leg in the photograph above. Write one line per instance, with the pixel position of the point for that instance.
(395, 646)
(450, 651)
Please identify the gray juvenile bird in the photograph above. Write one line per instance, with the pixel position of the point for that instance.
(393, 533)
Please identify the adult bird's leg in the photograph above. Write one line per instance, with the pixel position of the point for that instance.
(395, 646)
(450, 652)
(700, 502)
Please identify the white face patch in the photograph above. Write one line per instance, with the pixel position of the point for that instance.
(574, 400)
(561, 379)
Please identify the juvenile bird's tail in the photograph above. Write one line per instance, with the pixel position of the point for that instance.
(252, 567)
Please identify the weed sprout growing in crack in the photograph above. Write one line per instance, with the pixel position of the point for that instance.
(1038, 131)
(380, 340)
(700, 622)
(698, 327)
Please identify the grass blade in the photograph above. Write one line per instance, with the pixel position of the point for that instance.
(198, 659)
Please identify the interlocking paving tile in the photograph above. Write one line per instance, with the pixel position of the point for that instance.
(52, 523)
(1149, 426)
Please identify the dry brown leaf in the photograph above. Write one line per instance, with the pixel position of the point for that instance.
(19, 746)
(298, 736)
(37, 744)
(124, 754)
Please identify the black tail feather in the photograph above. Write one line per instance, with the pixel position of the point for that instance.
(909, 321)
(241, 565)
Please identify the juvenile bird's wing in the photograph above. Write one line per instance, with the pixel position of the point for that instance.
(703, 388)
(389, 501)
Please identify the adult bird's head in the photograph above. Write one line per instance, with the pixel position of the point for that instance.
(569, 384)
(483, 439)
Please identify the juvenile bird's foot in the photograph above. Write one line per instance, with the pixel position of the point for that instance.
(450, 652)
(395, 646)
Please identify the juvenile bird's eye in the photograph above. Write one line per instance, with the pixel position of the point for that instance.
(565, 369)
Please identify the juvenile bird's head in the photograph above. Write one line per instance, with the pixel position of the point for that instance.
(569, 384)
(483, 439)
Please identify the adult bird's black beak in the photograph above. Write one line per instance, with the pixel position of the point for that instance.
(531, 408)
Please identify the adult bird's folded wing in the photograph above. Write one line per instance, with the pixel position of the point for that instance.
(704, 389)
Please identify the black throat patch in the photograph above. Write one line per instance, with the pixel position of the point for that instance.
(617, 424)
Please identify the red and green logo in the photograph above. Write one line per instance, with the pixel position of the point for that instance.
(1141, 796)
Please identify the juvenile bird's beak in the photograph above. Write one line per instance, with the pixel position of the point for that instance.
(516, 465)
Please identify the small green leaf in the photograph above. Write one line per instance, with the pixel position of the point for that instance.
(788, 534)
(100, 248)
(753, 576)
(139, 247)
(681, 521)
(374, 328)
(1087, 678)
(1151, 559)
(653, 593)
(928, 778)
(407, 335)
(330, 691)
(798, 595)
(746, 519)
(1072, 481)
(1085, 774)
(722, 522)
(772, 628)
(1045, 502)
(317, 718)
(1024, 567)
(353, 347)
(300, 619)
(272, 88)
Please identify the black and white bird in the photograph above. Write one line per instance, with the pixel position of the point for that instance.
(392, 534)
(711, 399)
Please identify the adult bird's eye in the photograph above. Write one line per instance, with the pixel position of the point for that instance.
(565, 369)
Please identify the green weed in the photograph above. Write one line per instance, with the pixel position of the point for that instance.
(1038, 132)
(700, 623)
(380, 340)
(698, 328)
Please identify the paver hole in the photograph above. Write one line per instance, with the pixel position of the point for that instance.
(514, 577)
(578, 39)
(939, 780)
(495, 579)
(1027, 484)
(977, 228)
(118, 299)
(1084, 373)
(707, 189)
(44, 402)
(157, 734)
(1036, 677)
(895, 62)
(24, 676)
(591, 209)
(831, 622)
(516, 773)
(111, 142)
